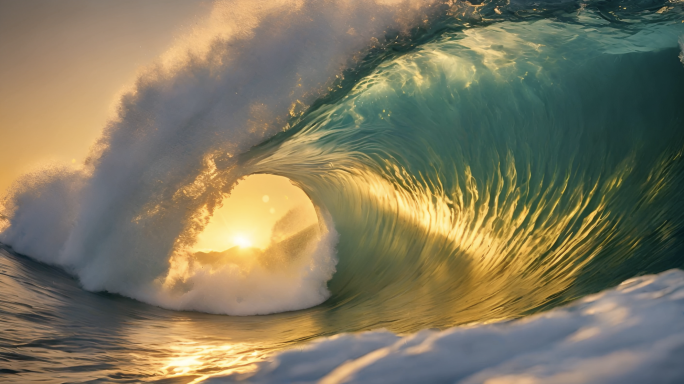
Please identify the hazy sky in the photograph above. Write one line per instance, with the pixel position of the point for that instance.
(63, 64)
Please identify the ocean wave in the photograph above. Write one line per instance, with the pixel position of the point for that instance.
(630, 334)
(474, 167)
(496, 171)
(468, 162)
(123, 221)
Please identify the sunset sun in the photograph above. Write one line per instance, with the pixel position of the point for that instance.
(342, 191)
(242, 241)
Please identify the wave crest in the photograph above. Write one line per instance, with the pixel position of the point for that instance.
(170, 155)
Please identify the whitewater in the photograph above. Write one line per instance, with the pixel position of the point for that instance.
(496, 185)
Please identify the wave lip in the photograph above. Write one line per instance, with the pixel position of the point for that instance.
(630, 334)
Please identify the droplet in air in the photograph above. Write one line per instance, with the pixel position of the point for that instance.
(265, 199)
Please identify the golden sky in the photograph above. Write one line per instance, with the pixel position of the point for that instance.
(63, 64)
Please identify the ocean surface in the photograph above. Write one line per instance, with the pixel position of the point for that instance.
(497, 186)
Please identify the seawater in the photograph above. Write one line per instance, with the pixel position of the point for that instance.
(469, 163)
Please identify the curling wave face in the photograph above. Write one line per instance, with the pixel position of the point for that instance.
(468, 162)
(499, 170)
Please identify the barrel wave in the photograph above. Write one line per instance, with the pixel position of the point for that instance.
(535, 169)
(469, 162)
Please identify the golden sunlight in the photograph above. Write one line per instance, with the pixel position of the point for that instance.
(242, 242)
(257, 205)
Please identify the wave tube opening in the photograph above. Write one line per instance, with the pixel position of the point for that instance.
(263, 250)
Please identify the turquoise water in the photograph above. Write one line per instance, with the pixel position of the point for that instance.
(493, 163)
(495, 171)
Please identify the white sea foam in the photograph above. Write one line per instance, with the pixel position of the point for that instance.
(631, 334)
(123, 220)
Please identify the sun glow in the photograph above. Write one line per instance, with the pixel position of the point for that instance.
(242, 241)
(248, 216)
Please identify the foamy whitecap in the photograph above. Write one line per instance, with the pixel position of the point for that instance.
(630, 334)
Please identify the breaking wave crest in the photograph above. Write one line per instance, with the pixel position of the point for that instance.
(123, 221)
